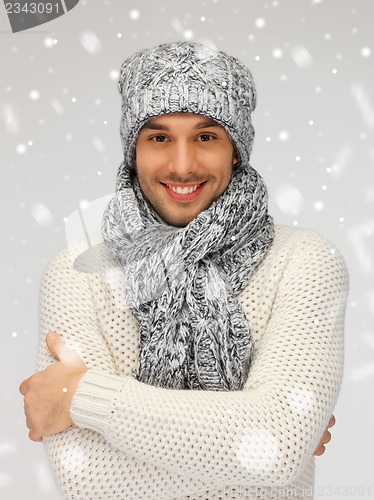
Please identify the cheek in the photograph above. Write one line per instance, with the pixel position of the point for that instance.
(227, 168)
(226, 180)
(147, 162)
(143, 165)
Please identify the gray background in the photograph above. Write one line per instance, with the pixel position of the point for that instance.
(59, 125)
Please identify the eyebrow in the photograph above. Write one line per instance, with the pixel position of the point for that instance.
(206, 123)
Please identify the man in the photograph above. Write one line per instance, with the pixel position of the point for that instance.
(207, 342)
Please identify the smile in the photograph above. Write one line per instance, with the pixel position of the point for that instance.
(182, 192)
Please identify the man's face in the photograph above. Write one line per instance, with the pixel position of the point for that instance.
(183, 162)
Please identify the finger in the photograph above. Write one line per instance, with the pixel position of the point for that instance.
(24, 387)
(326, 437)
(60, 350)
(54, 342)
(35, 437)
(57, 346)
(319, 451)
(332, 422)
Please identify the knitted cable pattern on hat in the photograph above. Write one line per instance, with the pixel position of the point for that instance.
(181, 283)
(187, 77)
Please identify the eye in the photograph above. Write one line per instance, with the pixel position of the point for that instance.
(205, 137)
(159, 138)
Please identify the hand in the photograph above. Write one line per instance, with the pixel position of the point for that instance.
(48, 394)
(326, 437)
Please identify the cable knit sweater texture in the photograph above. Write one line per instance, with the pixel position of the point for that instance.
(135, 441)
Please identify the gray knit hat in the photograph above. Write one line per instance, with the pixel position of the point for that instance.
(191, 78)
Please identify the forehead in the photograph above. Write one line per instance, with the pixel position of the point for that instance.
(166, 121)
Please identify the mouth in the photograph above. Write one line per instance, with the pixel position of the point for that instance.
(184, 192)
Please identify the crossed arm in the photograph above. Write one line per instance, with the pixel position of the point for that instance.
(48, 394)
(145, 411)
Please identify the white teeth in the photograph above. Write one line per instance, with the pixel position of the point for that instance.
(184, 190)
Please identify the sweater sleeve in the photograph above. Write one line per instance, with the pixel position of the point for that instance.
(263, 435)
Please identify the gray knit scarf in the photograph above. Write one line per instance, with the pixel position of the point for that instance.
(181, 283)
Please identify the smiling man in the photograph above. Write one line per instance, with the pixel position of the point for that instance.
(200, 353)
(183, 163)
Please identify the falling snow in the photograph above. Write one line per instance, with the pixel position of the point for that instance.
(365, 51)
(90, 42)
(303, 400)
(341, 161)
(258, 439)
(74, 460)
(134, 14)
(57, 106)
(319, 205)
(289, 198)
(50, 42)
(10, 118)
(363, 104)
(277, 53)
(283, 135)
(188, 35)
(98, 144)
(114, 74)
(34, 95)
(42, 214)
(260, 23)
(360, 236)
(301, 56)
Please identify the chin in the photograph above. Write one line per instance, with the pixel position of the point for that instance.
(178, 217)
(178, 221)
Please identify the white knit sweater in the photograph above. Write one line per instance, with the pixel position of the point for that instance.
(134, 441)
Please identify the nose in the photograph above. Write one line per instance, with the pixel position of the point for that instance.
(183, 159)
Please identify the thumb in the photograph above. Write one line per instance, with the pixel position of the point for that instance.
(60, 350)
(54, 344)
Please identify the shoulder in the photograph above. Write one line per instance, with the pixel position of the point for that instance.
(300, 235)
(80, 259)
(311, 253)
(297, 244)
(303, 239)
